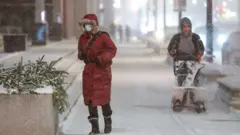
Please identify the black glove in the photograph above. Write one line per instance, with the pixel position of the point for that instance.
(98, 61)
(173, 53)
(80, 57)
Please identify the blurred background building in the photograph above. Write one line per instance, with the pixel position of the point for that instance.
(142, 16)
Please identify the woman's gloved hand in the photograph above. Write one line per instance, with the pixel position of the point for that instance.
(80, 57)
(98, 61)
(102, 62)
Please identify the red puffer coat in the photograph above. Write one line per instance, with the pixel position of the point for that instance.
(97, 78)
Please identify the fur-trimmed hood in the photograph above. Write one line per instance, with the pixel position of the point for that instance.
(89, 18)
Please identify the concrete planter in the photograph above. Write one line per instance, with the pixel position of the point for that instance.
(229, 91)
(28, 114)
(1, 44)
(14, 42)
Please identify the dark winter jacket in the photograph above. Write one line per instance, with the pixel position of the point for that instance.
(181, 46)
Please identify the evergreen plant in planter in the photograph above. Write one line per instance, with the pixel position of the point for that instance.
(30, 96)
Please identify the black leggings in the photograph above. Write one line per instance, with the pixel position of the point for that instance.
(93, 111)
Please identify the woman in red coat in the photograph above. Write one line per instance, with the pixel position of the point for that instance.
(97, 50)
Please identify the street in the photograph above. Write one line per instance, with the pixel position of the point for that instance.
(141, 101)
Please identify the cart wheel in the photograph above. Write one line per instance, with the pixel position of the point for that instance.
(200, 107)
(177, 106)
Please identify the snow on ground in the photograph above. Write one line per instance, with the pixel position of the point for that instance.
(218, 56)
(141, 102)
(52, 51)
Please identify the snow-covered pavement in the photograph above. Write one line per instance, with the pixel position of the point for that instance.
(141, 101)
(141, 95)
(52, 51)
(218, 57)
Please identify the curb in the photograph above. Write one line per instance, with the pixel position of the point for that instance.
(63, 117)
(10, 55)
(72, 111)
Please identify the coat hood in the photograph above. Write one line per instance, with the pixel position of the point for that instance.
(89, 18)
(185, 20)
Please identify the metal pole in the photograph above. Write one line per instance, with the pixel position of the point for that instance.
(148, 9)
(156, 13)
(238, 14)
(164, 17)
(209, 30)
(179, 19)
(179, 15)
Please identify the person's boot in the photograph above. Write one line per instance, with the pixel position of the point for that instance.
(95, 126)
(108, 125)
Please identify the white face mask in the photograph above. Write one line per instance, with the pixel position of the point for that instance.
(87, 27)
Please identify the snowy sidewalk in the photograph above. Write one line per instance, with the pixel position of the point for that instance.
(141, 101)
(225, 78)
(160, 47)
(5, 56)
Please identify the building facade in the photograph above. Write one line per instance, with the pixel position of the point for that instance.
(26, 13)
(71, 12)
